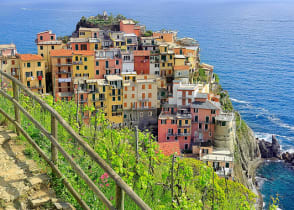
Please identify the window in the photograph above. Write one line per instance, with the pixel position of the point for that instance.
(165, 49)
(213, 120)
(118, 98)
(195, 118)
(163, 64)
(28, 84)
(173, 122)
(185, 130)
(39, 64)
(206, 127)
(77, 58)
(96, 46)
(149, 86)
(213, 111)
(52, 47)
(186, 146)
(227, 165)
(106, 64)
(117, 62)
(113, 98)
(150, 113)
(129, 41)
(200, 125)
(143, 95)
(141, 114)
(133, 88)
(39, 73)
(163, 122)
(85, 67)
(85, 58)
(77, 47)
(186, 122)
(41, 47)
(209, 134)
(28, 65)
(186, 137)
(29, 74)
(97, 63)
(179, 131)
(207, 119)
(97, 72)
(103, 88)
(181, 51)
(52, 37)
(195, 110)
(223, 123)
(133, 95)
(86, 75)
(149, 95)
(176, 138)
(41, 37)
(78, 75)
(77, 68)
(143, 87)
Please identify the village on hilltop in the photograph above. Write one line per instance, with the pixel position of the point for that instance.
(153, 80)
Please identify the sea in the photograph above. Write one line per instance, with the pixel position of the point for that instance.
(250, 43)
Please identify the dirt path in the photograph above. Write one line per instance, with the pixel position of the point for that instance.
(22, 185)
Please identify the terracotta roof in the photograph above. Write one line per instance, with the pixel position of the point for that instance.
(141, 53)
(170, 148)
(29, 57)
(181, 67)
(84, 52)
(61, 52)
(64, 52)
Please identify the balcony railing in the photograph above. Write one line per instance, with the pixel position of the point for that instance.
(77, 63)
(183, 134)
(184, 126)
(64, 64)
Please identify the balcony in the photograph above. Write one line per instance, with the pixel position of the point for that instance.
(64, 64)
(77, 63)
(183, 134)
(223, 171)
(63, 72)
(184, 126)
(36, 87)
(171, 134)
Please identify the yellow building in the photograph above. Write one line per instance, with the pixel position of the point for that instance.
(83, 64)
(46, 41)
(166, 61)
(88, 32)
(32, 72)
(106, 95)
(118, 39)
(8, 61)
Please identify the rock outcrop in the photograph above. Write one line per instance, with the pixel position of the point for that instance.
(247, 154)
(269, 150)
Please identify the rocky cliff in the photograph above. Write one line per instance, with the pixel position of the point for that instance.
(247, 155)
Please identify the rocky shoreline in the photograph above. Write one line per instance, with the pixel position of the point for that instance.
(272, 151)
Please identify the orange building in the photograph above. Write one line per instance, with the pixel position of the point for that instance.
(142, 61)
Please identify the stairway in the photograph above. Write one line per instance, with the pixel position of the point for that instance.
(22, 183)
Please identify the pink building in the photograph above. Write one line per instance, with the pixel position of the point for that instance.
(174, 124)
(45, 36)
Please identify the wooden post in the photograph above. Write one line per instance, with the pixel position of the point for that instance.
(137, 142)
(16, 109)
(212, 187)
(172, 178)
(54, 127)
(120, 198)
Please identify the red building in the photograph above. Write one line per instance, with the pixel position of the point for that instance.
(127, 26)
(142, 61)
(45, 36)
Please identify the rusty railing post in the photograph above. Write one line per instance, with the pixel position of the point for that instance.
(119, 198)
(16, 109)
(54, 127)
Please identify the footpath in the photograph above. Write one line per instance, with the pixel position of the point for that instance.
(22, 183)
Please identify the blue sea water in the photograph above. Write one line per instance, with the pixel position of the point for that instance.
(250, 43)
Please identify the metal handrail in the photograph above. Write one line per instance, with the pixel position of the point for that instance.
(121, 186)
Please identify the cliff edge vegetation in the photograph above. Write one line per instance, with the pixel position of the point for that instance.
(194, 184)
